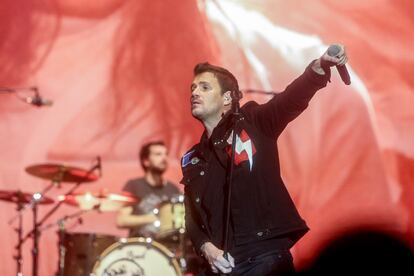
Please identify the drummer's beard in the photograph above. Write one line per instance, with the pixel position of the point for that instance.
(159, 169)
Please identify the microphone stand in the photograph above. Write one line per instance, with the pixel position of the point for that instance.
(230, 169)
(35, 100)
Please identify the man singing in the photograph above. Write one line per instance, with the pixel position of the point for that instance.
(263, 223)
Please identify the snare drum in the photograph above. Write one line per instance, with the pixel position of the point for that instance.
(171, 214)
(136, 257)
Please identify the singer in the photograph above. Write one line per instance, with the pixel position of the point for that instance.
(264, 222)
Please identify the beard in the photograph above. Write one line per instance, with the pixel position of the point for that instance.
(158, 169)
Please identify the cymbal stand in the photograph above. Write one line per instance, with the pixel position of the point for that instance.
(62, 231)
(182, 249)
(18, 257)
(62, 248)
(35, 233)
(35, 250)
(36, 197)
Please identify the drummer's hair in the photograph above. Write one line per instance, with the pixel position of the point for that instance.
(145, 151)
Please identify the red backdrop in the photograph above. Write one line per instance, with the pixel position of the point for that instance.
(119, 73)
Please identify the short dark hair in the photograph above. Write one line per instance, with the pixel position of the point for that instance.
(226, 80)
(145, 151)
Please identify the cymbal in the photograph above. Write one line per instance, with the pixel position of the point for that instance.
(102, 201)
(22, 197)
(61, 173)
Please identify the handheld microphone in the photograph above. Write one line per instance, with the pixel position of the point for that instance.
(333, 50)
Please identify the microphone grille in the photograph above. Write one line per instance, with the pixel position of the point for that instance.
(333, 50)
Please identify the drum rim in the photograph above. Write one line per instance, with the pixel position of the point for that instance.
(91, 234)
(177, 199)
(123, 241)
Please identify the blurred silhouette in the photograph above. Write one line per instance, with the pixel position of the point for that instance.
(368, 251)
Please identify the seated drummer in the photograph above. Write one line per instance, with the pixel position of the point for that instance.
(151, 189)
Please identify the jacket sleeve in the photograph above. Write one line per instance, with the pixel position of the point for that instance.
(197, 235)
(272, 117)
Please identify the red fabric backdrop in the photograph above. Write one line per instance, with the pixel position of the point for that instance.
(119, 73)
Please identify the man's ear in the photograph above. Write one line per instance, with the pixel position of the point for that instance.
(227, 98)
(145, 162)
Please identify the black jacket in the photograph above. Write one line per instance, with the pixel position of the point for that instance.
(261, 207)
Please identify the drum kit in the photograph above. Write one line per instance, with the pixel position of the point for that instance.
(94, 254)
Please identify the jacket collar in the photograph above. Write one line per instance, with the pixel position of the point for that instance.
(220, 132)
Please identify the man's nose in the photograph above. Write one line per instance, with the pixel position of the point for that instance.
(195, 92)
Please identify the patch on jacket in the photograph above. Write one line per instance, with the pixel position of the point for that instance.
(245, 148)
(189, 159)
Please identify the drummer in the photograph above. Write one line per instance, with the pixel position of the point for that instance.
(151, 189)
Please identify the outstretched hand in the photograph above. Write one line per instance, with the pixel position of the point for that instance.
(339, 59)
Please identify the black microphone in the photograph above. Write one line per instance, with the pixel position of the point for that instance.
(38, 100)
(333, 50)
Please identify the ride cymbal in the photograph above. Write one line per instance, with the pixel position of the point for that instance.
(61, 173)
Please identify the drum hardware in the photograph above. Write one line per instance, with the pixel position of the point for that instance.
(61, 243)
(74, 257)
(171, 215)
(79, 251)
(61, 233)
(172, 232)
(102, 201)
(77, 263)
(21, 198)
(57, 174)
(137, 256)
(18, 257)
(31, 201)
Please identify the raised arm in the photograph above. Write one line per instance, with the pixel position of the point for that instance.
(273, 116)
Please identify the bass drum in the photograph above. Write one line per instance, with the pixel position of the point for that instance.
(136, 257)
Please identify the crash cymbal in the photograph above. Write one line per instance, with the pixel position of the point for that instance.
(102, 201)
(61, 173)
(24, 198)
